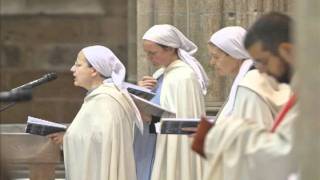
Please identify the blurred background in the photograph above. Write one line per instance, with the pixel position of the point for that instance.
(42, 36)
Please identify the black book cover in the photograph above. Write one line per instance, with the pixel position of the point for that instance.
(139, 91)
(175, 127)
(42, 127)
(42, 130)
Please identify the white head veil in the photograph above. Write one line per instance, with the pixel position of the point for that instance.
(107, 64)
(169, 35)
(230, 40)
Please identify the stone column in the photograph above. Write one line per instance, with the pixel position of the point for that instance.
(132, 43)
(198, 19)
(308, 125)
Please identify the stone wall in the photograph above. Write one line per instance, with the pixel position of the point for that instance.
(41, 36)
(307, 126)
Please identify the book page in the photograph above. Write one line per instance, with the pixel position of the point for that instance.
(34, 120)
(138, 90)
(151, 108)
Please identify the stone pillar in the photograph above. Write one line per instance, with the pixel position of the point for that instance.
(132, 41)
(308, 125)
(198, 19)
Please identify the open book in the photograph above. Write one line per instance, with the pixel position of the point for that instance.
(175, 125)
(150, 108)
(41, 127)
(139, 91)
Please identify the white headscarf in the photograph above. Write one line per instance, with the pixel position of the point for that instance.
(230, 40)
(106, 63)
(169, 35)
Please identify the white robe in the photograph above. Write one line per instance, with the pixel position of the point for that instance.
(98, 143)
(259, 97)
(233, 145)
(241, 150)
(181, 93)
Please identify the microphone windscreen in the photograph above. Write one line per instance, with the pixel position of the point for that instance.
(51, 76)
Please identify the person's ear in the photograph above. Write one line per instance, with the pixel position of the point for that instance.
(94, 72)
(171, 49)
(286, 52)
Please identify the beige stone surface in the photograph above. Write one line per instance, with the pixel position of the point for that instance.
(14, 7)
(39, 154)
(308, 125)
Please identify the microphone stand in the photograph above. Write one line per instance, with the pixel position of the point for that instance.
(30, 85)
(23, 94)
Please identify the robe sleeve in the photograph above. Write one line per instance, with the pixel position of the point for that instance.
(239, 147)
(250, 105)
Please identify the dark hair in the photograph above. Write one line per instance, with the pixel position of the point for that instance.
(89, 64)
(167, 47)
(271, 30)
(163, 46)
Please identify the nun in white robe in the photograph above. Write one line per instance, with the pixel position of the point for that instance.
(98, 143)
(253, 94)
(183, 86)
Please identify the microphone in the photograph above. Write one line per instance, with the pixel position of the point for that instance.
(42, 80)
(16, 95)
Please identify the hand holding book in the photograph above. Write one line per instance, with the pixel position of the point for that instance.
(57, 138)
(148, 82)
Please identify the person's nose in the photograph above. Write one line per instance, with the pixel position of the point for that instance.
(73, 68)
(212, 62)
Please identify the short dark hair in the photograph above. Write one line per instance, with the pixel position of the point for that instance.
(271, 30)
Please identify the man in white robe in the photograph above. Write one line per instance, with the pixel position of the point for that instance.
(98, 143)
(240, 149)
(260, 97)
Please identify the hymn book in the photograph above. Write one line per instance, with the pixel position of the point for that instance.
(41, 127)
(139, 91)
(176, 125)
(150, 108)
